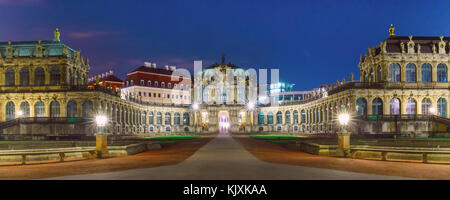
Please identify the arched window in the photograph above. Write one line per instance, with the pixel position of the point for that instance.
(168, 85)
(176, 119)
(394, 73)
(394, 106)
(39, 76)
(260, 118)
(295, 117)
(24, 76)
(269, 118)
(410, 106)
(410, 73)
(442, 107)
(163, 84)
(54, 109)
(303, 116)
(10, 77)
(379, 74)
(426, 73)
(279, 117)
(149, 83)
(377, 106)
(287, 118)
(10, 111)
(442, 73)
(156, 84)
(71, 109)
(87, 108)
(150, 117)
(426, 105)
(186, 119)
(25, 108)
(39, 109)
(55, 76)
(361, 106)
(167, 118)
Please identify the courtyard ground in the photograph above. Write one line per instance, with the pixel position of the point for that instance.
(170, 155)
(276, 153)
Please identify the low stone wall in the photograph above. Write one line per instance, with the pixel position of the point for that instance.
(113, 151)
(312, 148)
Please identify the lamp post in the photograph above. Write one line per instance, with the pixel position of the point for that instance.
(251, 107)
(195, 108)
(101, 142)
(343, 136)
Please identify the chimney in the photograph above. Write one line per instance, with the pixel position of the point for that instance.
(147, 64)
(111, 72)
(167, 67)
(103, 75)
(173, 68)
(154, 65)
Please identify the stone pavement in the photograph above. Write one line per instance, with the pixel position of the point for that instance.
(225, 159)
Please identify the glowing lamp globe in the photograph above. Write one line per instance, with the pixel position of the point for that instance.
(195, 106)
(251, 105)
(101, 120)
(344, 119)
(20, 113)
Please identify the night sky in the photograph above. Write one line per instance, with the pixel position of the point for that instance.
(311, 42)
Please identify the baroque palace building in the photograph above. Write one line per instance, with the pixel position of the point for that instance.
(46, 92)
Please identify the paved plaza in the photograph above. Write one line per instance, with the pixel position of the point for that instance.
(225, 159)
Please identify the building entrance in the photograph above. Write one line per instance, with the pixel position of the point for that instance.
(224, 122)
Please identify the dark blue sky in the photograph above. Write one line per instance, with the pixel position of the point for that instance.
(311, 42)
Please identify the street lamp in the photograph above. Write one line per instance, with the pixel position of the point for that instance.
(432, 110)
(343, 136)
(101, 138)
(20, 113)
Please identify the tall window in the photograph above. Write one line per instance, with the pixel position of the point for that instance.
(442, 107)
(163, 84)
(39, 109)
(379, 74)
(410, 106)
(39, 76)
(10, 111)
(186, 119)
(24, 76)
(372, 76)
(377, 106)
(25, 108)
(176, 119)
(269, 118)
(54, 109)
(158, 118)
(167, 118)
(150, 117)
(279, 117)
(71, 109)
(156, 84)
(426, 105)
(55, 76)
(394, 72)
(442, 73)
(87, 108)
(361, 106)
(410, 73)
(295, 117)
(394, 106)
(426, 73)
(69, 77)
(10, 77)
(260, 118)
(303, 116)
(287, 118)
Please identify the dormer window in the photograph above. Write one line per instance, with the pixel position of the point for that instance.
(142, 82)
(181, 86)
(149, 83)
(168, 85)
(128, 83)
(156, 83)
(132, 82)
(163, 84)
(175, 86)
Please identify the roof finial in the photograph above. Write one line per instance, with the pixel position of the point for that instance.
(223, 59)
(57, 35)
(392, 31)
